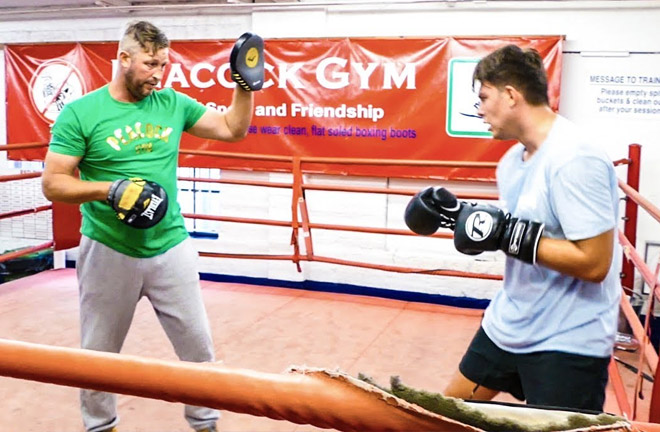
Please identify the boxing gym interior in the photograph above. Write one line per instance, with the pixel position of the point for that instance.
(318, 294)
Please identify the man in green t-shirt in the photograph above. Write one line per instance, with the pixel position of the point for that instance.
(127, 130)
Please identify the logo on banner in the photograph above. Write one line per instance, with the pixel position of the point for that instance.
(54, 84)
(463, 101)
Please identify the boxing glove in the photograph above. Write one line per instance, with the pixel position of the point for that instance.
(482, 227)
(246, 62)
(138, 203)
(430, 209)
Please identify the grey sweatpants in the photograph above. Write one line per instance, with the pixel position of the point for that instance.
(110, 285)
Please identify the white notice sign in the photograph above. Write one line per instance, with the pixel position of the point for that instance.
(628, 92)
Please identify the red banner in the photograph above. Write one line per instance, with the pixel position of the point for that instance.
(403, 99)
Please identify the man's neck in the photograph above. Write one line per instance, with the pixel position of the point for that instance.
(535, 129)
(119, 92)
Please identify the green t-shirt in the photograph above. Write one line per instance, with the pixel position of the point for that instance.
(122, 140)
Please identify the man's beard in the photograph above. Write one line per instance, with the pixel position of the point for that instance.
(135, 88)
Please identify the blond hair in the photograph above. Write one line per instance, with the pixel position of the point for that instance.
(144, 35)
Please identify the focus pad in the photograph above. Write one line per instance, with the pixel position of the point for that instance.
(247, 62)
(139, 203)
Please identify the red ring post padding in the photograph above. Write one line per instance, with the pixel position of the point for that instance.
(304, 397)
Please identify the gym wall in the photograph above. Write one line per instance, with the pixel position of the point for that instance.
(603, 38)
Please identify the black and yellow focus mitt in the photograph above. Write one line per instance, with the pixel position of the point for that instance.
(139, 203)
(247, 62)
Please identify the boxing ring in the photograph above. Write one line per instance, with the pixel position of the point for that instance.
(260, 334)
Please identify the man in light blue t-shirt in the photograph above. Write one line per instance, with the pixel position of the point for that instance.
(548, 334)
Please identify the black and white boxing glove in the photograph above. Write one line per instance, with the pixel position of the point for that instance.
(139, 203)
(481, 227)
(247, 62)
(430, 209)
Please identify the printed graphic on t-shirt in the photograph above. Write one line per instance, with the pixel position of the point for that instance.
(132, 133)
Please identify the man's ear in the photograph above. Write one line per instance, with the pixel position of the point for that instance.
(124, 59)
(513, 96)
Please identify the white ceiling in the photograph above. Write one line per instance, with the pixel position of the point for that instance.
(44, 9)
(90, 3)
(28, 4)
(12, 10)
(100, 4)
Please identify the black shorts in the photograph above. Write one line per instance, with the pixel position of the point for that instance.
(546, 378)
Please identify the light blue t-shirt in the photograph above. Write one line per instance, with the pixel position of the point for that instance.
(571, 186)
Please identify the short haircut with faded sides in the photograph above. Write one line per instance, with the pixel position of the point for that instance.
(521, 69)
(145, 35)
